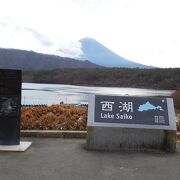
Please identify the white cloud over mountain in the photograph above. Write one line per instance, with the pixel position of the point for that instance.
(14, 34)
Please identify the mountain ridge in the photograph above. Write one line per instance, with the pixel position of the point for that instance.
(30, 60)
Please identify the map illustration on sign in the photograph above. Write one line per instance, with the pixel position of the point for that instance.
(148, 106)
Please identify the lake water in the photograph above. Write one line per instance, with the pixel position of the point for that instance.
(55, 93)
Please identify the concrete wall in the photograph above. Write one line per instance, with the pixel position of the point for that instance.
(130, 139)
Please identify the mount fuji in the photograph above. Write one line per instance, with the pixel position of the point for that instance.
(101, 55)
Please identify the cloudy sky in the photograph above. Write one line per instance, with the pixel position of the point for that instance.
(145, 31)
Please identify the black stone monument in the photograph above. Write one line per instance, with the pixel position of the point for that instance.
(10, 106)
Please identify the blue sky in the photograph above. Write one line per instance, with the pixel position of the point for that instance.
(145, 31)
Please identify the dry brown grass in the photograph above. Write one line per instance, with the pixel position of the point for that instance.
(55, 117)
(176, 97)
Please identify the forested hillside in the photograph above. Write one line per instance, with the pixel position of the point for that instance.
(110, 77)
(29, 60)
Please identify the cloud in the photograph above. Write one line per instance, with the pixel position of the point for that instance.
(73, 49)
(15, 26)
(43, 39)
(15, 34)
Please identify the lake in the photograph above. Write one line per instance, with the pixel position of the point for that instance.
(33, 93)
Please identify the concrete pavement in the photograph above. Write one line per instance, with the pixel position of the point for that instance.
(66, 159)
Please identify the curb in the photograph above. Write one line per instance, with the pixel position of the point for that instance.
(53, 134)
(59, 134)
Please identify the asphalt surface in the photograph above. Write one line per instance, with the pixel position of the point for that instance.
(66, 159)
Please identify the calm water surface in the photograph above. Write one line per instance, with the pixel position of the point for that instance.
(55, 93)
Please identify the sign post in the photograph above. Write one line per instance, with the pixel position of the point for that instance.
(131, 123)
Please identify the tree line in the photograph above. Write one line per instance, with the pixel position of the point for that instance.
(168, 78)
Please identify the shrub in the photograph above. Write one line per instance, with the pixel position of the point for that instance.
(176, 97)
(55, 117)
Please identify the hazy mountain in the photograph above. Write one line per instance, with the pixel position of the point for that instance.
(29, 60)
(99, 54)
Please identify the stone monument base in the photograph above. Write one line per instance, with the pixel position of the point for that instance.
(23, 146)
(130, 139)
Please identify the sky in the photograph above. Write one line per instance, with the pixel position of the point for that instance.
(144, 31)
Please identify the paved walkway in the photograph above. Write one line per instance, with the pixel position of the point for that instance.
(66, 159)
